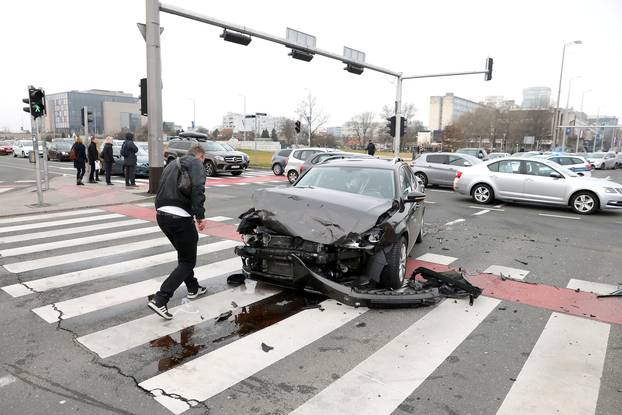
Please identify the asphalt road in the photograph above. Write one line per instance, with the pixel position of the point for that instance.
(448, 359)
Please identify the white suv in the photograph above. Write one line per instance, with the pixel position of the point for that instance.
(298, 157)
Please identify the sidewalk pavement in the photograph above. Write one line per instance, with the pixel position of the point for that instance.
(64, 194)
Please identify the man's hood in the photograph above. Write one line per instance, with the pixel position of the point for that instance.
(318, 215)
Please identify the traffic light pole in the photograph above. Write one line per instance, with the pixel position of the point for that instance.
(398, 116)
(35, 149)
(86, 126)
(45, 162)
(154, 94)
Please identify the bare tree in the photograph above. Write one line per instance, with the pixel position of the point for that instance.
(362, 125)
(287, 129)
(312, 115)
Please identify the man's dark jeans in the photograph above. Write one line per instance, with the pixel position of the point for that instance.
(183, 234)
(93, 172)
(108, 170)
(130, 174)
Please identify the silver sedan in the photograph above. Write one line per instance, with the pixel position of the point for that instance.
(536, 180)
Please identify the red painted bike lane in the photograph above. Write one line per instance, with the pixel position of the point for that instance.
(561, 300)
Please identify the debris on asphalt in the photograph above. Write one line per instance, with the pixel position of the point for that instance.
(236, 279)
(224, 316)
(450, 284)
(502, 308)
(234, 304)
(361, 324)
(266, 348)
(521, 262)
(616, 293)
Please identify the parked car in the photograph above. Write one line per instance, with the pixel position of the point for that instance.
(480, 153)
(602, 160)
(524, 179)
(345, 222)
(279, 161)
(59, 150)
(297, 159)
(217, 158)
(21, 148)
(329, 156)
(527, 154)
(576, 164)
(6, 147)
(142, 161)
(618, 159)
(440, 168)
(493, 156)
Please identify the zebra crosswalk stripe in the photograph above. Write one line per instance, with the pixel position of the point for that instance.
(570, 353)
(104, 271)
(5, 189)
(48, 216)
(126, 293)
(126, 336)
(243, 358)
(70, 231)
(39, 225)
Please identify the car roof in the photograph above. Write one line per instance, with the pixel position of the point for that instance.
(364, 162)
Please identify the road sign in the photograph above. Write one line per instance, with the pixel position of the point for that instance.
(353, 54)
(298, 38)
(529, 139)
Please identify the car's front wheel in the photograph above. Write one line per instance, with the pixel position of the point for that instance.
(292, 176)
(584, 203)
(210, 170)
(395, 271)
(482, 193)
(277, 169)
(421, 176)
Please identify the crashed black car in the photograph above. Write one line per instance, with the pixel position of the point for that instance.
(344, 229)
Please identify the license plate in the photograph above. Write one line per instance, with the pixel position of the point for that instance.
(235, 167)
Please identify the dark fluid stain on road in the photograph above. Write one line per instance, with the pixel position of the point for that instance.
(210, 335)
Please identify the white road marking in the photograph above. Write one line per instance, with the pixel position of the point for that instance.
(243, 358)
(6, 189)
(559, 216)
(499, 206)
(105, 271)
(51, 261)
(40, 225)
(221, 185)
(589, 286)
(126, 293)
(71, 231)
(506, 271)
(570, 354)
(48, 216)
(149, 205)
(429, 202)
(29, 249)
(242, 184)
(437, 190)
(218, 218)
(481, 212)
(25, 181)
(453, 222)
(437, 259)
(6, 380)
(126, 336)
(487, 208)
(380, 383)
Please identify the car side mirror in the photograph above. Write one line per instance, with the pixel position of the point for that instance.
(467, 164)
(555, 175)
(415, 197)
(580, 174)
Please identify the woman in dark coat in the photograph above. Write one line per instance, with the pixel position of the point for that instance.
(108, 159)
(80, 161)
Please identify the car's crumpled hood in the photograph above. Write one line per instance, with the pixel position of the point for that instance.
(318, 215)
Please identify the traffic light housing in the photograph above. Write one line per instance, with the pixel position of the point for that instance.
(488, 74)
(391, 126)
(89, 116)
(402, 126)
(35, 101)
(143, 96)
(297, 127)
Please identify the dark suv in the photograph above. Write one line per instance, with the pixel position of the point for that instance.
(217, 158)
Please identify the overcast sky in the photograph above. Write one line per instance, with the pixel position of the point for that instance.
(81, 44)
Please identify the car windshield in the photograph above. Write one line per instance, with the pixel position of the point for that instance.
(63, 146)
(227, 146)
(212, 146)
(359, 180)
(470, 151)
(596, 155)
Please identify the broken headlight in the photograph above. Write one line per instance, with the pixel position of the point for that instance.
(373, 236)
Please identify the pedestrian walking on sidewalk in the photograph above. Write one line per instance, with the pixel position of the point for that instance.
(179, 204)
(128, 151)
(93, 157)
(371, 148)
(78, 153)
(108, 159)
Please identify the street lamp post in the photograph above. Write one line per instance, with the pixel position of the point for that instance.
(194, 113)
(559, 90)
(565, 121)
(244, 119)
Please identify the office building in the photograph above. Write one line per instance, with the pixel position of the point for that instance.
(536, 97)
(445, 110)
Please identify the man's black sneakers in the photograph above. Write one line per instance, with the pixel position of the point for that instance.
(161, 311)
(200, 291)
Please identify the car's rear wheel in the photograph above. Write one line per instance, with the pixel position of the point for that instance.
(395, 271)
(482, 193)
(210, 170)
(236, 173)
(584, 203)
(292, 176)
(421, 176)
(277, 169)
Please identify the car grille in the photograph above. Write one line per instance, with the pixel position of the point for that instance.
(233, 159)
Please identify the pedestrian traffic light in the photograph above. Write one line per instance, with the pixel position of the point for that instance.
(391, 126)
(143, 96)
(297, 126)
(35, 101)
(402, 126)
(89, 116)
(488, 74)
(82, 116)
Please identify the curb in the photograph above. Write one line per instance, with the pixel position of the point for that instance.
(51, 210)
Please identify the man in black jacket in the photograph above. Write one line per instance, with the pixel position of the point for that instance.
(177, 210)
(371, 148)
(128, 151)
(93, 156)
